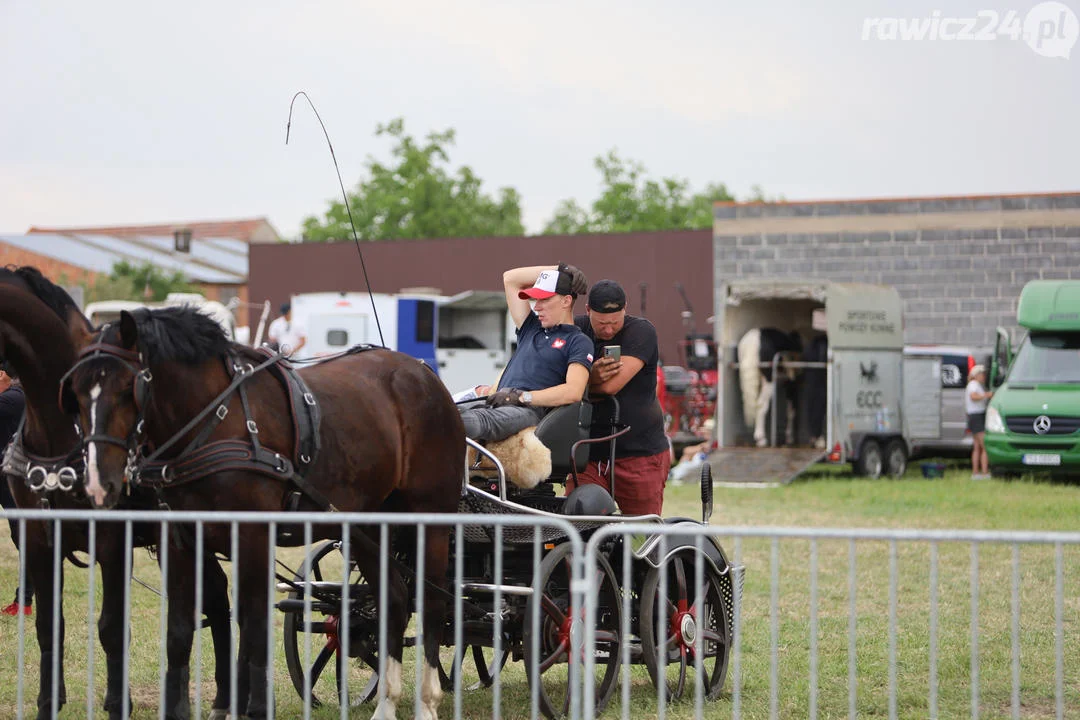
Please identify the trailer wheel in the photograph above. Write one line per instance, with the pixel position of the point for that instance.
(870, 463)
(896, 458)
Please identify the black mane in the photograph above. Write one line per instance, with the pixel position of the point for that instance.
(45, 290)
(178, 334)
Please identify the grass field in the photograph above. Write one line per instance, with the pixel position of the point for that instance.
(821, 499)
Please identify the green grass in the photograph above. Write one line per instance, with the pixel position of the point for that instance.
(823, 498)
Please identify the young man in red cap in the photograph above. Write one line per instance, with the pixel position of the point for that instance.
(551, 364)
(643, 455)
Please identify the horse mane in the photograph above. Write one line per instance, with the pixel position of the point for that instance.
(178, 334)
(54, 296)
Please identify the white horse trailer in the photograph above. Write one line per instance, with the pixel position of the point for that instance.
(466, 337)
(864, 379)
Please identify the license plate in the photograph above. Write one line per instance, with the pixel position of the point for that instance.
(1041, 459)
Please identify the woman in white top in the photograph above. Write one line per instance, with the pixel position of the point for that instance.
(976, 397)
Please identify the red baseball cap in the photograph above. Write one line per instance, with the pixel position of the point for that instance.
(550, 282)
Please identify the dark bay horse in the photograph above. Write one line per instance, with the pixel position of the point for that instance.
(390, 438)
(41, 331)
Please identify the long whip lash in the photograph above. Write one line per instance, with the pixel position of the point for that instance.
(344, 196)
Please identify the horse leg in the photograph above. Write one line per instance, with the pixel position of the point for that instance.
(397, 617)
(216, 611)
(254, 590)
(111, 623)
(789, 430)
(39, 564)
(764, 399)
(180, 634)
(436, 558)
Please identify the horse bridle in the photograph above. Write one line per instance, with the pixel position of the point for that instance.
(131, 361)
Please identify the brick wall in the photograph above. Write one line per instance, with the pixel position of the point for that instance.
(55, 270)
(959, 263)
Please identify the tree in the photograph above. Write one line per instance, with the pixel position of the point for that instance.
(417, 196)
(630, 201)
(143, 282)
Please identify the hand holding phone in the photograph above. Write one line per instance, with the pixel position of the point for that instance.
(613, 351)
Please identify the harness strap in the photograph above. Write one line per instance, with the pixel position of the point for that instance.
(212, 407)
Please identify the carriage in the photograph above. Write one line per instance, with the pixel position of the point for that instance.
(126, 376)
(660, 572)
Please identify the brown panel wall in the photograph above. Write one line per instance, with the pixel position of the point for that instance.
(658, 259)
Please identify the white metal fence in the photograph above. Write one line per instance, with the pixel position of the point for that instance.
(821, 623)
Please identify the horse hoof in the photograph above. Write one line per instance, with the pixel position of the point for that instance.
(762, 442)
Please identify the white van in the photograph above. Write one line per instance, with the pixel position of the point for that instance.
(108, 311)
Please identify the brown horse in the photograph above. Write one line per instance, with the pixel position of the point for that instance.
(391, 438)
(41, 330)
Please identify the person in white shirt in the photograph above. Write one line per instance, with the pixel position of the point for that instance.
(976, 397)
(290, 336)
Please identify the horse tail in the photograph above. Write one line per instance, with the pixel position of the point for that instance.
(749, 350)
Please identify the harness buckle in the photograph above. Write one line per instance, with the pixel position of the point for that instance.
(252, 427)
(146, 375)
(305, 459)
(281, 465)
(67, 478)
(38, 472)
(222, 411)
(309, 399)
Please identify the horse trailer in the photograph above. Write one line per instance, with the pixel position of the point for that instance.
(466, 338)
(858, 403)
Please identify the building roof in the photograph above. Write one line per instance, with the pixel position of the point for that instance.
(220, 261)
(254, 230)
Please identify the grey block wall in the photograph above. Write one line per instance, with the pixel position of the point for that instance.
(959, 284)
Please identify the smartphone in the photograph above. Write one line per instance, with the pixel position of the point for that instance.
(613, 351)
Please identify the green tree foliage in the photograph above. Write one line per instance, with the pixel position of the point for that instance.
(143, 282)
(418, 196)
(630, 201)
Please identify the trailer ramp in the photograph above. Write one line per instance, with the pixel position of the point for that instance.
(760, 467)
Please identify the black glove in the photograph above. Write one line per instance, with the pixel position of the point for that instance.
(502, 398)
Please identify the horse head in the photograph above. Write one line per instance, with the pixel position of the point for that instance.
(101, 390)
(792, 353)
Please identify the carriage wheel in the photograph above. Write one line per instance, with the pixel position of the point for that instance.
(326, 564)
(557, 626)
(686, 612)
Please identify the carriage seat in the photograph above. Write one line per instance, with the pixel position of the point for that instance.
(538, 453)
(560, 429)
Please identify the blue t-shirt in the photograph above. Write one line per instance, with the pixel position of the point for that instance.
(544, 355)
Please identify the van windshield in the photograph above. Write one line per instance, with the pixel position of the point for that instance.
(1048, 358)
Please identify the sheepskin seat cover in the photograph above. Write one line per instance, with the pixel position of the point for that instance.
(526, 460)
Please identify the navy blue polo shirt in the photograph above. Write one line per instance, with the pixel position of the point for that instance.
(544, 355)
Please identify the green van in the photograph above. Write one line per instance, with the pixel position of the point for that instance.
(1033, 420)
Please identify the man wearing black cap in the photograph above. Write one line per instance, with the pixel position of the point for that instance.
(289, 336)
(551, 364)
(642, 456)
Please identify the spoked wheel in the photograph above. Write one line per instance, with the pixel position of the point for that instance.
(685, 613)
(326, 566)
(557, 626)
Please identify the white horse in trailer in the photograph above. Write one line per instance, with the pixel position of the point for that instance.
(755, 351)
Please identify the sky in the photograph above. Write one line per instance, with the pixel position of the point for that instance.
(132, 112)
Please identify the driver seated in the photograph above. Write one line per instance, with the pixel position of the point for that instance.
(551, 364)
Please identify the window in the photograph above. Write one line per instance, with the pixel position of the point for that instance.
(182, 240)
(337, 338)
(1048, 358)
(425, 321)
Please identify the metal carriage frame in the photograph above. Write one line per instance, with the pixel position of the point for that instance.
(515, 585)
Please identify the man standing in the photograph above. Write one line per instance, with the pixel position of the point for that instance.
(289, 336)
(642, 456)
(12, 406)
(551, 364)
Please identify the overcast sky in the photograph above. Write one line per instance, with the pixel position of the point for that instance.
(158, 112)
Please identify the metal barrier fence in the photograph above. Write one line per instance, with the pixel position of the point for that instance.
(821, 623)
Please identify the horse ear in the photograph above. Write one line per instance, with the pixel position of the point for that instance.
(129, 332)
